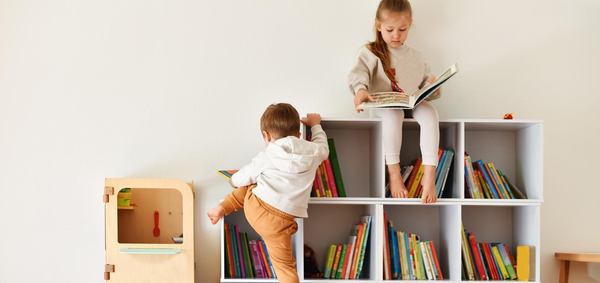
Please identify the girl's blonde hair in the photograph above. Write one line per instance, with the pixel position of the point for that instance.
(378, 47)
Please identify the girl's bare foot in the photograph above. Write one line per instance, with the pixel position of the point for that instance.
(397, 187)
(429, 194)
(215, 214)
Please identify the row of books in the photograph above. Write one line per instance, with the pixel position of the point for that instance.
(246, 258)
(347, 261)
(328, 179)
(406, 257)
(485, 181)
(487, 261)
(412, 177)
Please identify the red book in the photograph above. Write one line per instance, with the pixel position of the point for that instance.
(387, 272)
(437, 263)
(346, 260)
(413, 174)
(319, 180)
(477, 257)
(263, 258)
(330, 178)
(490, 262)
(229, 252)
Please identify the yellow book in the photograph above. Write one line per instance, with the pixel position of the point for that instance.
(498, 259)
(525, 263)
(412, 191)
(403, 256)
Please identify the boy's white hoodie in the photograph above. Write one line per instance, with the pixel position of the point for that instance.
(285, 171)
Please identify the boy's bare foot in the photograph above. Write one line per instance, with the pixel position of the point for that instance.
(397, 187)
(429, 195)
(215, 214)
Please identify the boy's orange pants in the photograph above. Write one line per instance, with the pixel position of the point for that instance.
(273, 225)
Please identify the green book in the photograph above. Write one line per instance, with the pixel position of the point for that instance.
(361, 259)
(338, 271)
(246, 252)
(335, 165)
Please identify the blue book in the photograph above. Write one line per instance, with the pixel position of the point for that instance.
(409, 259)
(487, 179)
(394, 250)
(439, 172)
(446, 170)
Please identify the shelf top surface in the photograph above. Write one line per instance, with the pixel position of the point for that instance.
(416, 201)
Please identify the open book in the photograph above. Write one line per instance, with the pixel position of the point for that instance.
(392, 99)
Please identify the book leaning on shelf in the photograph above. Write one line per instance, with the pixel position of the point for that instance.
(485, 181)
(392, 99)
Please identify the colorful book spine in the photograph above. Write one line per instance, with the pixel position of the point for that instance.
(446, 170)
(349, 256)
(367, 220)
(329, 263)
(359, 237)
(439, 175)
(330, 178)
(338, 272)
(439, 273)
(396, 270)
(387, 270)
(466, 254)
(488, 180)
(249, 263)
(237, 257)
(498, 181)
(413, 174)
(414, 186)
(477, 257)
(506, 260)
(493, 269)
(498, 258)
(229, 251)
(336, 261)
(256, 263)
(269, 259)
(263, 258)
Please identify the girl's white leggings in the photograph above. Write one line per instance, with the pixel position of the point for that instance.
(427, 117)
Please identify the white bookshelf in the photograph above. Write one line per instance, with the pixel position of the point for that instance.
(515, 146)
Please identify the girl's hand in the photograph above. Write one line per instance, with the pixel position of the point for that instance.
(311, 119)
(429, 80)
(361, 96)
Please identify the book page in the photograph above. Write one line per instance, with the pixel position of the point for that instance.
(382, 99)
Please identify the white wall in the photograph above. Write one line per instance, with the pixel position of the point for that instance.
(95, 89)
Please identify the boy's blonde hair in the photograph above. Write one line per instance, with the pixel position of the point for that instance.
(378, 46)
(280, 120)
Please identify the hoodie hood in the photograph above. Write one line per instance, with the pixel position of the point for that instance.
(292, 154)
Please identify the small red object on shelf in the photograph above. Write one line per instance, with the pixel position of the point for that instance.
(508, 116)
